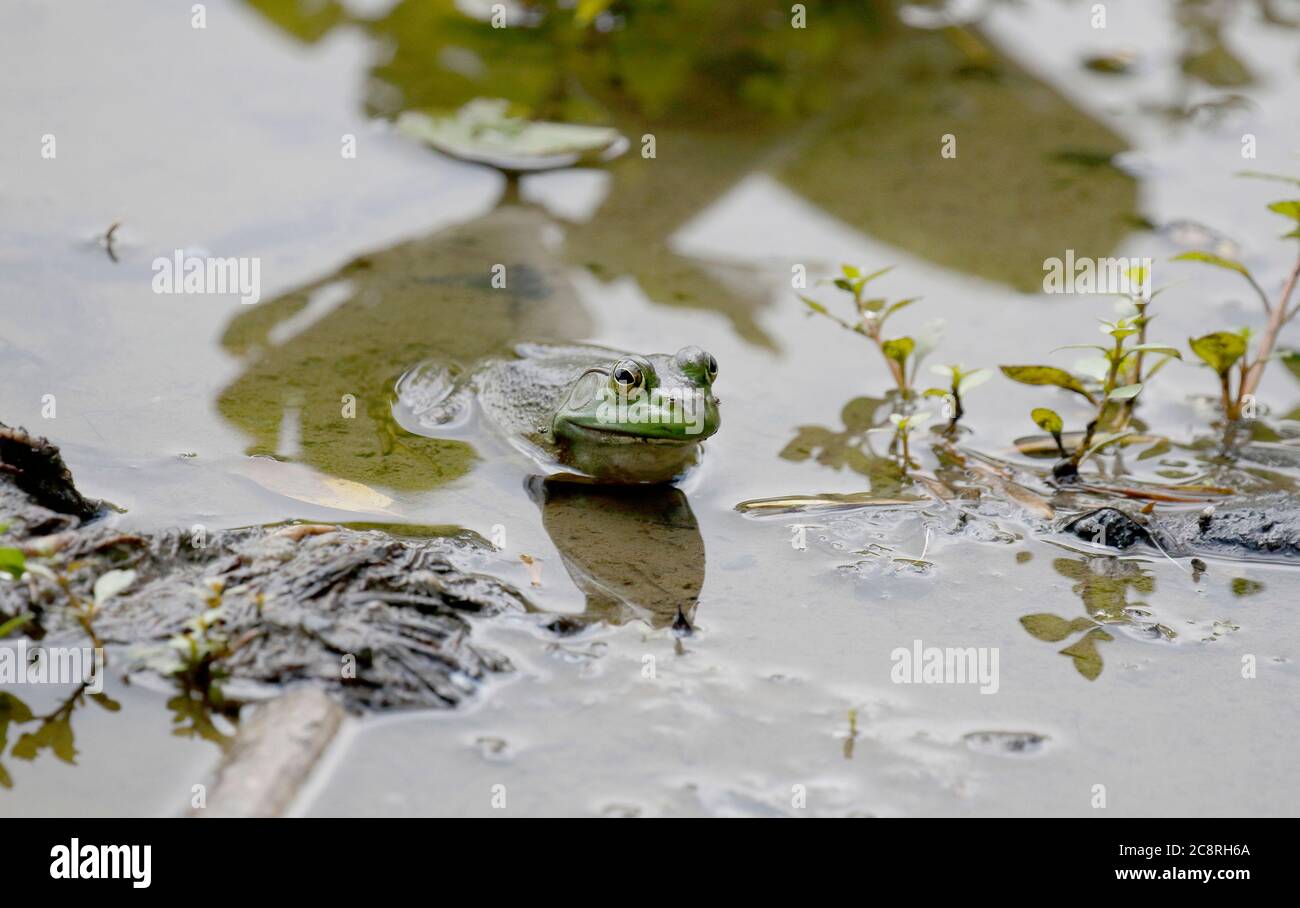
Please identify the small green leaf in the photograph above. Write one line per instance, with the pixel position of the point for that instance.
(1157, 348)
(1048, 420)
(899, 349)
(1218, 261)
(1219, 350)
(901, 304)
(1127, 392)
(1290, 209)
(13, 561)
(1046, 375)
(815, 306)
(843, 284)
(15, 623)
(850, 271)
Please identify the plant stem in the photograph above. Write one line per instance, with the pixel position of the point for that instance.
(1278, 316)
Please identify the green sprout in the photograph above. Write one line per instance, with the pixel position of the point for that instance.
(902, 355)
(959, 382)
(1113, 401)
(903, 426)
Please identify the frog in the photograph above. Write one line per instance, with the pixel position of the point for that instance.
(584, 411)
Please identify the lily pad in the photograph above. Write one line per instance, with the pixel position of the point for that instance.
(484, 132)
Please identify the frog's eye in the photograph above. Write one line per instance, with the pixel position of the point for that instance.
(627, 376)
(698, 364)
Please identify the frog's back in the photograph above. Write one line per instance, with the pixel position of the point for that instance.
(520, 396)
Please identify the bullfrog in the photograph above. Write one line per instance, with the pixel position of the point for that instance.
(597, 413)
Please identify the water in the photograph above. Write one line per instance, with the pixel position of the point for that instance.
(227, 139)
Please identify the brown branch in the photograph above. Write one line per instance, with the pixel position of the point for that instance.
(1278, 317)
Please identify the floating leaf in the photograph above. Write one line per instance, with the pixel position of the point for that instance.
(1046, 375)
(1048, 420)
(484, 131)
(1219, 350)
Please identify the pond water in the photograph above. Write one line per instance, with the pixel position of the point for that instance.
(774, 148)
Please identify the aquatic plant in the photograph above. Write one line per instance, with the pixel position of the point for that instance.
(902, 355)
(1112, 397)
(196, 652)
(959, 382)
(903, 428)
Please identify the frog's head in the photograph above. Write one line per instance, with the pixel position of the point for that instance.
(640, 418)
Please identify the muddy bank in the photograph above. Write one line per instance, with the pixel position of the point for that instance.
(377, 621)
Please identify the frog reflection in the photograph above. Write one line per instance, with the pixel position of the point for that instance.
(1104, 584)
(635, 551)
